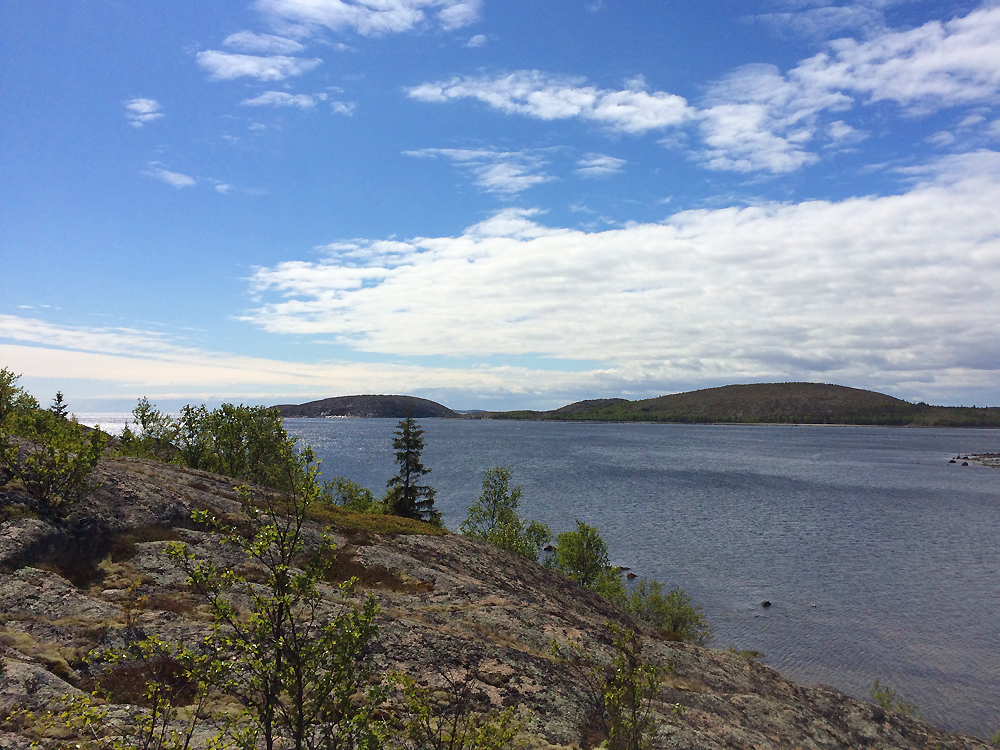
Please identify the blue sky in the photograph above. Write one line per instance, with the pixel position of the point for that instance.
(498, 204)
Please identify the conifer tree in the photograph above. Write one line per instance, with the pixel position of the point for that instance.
(406, 496)
(59, 406)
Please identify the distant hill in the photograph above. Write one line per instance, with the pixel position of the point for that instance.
(588, 406)
(788, 403)
(393, 407)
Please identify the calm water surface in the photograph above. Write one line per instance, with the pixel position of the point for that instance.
(882, 560)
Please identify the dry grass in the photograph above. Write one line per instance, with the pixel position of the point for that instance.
(349, 521)
(56, 658)
(689, 685)
(344, 565)
(122, 546)
(178, 602)
(129, 683)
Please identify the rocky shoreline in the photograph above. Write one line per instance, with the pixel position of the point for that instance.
(451, 609)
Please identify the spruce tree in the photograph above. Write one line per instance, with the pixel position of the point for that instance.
(405, 496)
(59, 407)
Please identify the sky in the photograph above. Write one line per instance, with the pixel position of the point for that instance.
(498, 204)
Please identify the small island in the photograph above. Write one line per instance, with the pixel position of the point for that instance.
(369, 407)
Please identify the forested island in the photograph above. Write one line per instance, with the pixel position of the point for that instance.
(369, 406)
(757, 403)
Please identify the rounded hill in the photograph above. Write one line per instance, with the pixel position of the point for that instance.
(371, 406)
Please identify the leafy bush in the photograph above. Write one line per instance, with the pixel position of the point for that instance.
(303, 675)
(153, 435)
(621, 693)
(54, 462)
(349, 495)
(886, 698)
(675, 616)
(428, 722)
(13, 399)
(249, 443)
(493, 517)
(582, 555)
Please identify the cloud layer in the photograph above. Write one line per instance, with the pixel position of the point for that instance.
(130, 363)
(758, 118)
(896, 290)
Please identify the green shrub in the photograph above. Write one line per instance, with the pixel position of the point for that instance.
(248, 443)
(886, 698)
(54, 462)
(153, 435)
(193, 436)
(582, 555)
(674, 616)
(13, 399)
(344, 493)
(493, 518)
(611, 586)
(251, 443)
(304, 675)
(429, 721)
(621, 693)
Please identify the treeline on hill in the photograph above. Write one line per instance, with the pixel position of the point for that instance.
(771, 403)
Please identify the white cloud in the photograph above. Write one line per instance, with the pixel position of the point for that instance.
(821, 23)
(939, 64)
(840, 133)
(367, 17)
(224, 66)
(141, 111)
(897, 289)
(756, 119)
(281, 99)
(535, 94)
(477, 41)
(941, 138)
(599, 165)
(455, 15)
(344, 108)
(262, 44)
(971, 121)
(176, 179)
(504, 173)
(223, 188)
